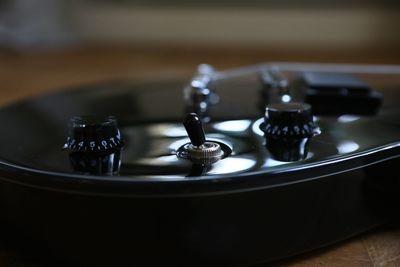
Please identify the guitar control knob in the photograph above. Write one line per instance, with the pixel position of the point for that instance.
(288, 128)
(89, 134)
(289, 120)
(94, 145)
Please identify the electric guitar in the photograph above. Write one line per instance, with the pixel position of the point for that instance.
(225, 168)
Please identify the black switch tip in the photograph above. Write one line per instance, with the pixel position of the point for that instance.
(194, 128)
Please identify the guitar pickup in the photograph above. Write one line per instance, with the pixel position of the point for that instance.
(340, 93)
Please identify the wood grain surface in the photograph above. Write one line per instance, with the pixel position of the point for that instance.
(28, 73)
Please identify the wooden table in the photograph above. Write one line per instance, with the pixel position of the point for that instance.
(27, 73)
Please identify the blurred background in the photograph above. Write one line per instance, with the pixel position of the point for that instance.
(307, 24)
(58, 43)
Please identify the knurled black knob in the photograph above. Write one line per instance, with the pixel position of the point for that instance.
(289, 120)
(91, 134)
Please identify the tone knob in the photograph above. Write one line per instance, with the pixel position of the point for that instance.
(289, 120)
(288, 129)
(94, 145)
(91, 134)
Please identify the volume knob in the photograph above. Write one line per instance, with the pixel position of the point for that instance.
(289, 120)
(94, 145)
(288, 129)
(91, 134)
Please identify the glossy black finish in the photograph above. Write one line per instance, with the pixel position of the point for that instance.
(292, 149)
(94, 145)
(194, 128)
(290, 120)
(340, 93)
(89, 134)
(288, 128)
(96, 163)
(159, 208)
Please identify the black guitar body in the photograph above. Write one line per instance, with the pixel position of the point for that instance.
(149, 200)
